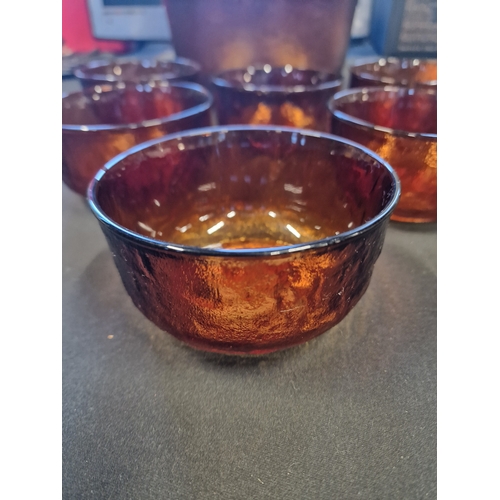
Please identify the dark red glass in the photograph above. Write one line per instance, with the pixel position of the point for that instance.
(245, 240)
(393, 71)
(400, 125)
(284, 96)
(137, 71)
(104, 120)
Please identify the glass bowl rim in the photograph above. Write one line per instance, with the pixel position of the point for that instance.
(152, 243)
(357, 70)
(220, 80)
(364, 124)
(192, 111)
(79, 71)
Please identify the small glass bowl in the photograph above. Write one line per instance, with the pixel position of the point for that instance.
(141, 71)
(104, 120)
(400, 125)
(245, 240)
(396, 72)
(284, 96)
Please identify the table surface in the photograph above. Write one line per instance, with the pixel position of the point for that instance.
(350, 414)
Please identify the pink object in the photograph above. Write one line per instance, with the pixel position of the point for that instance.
(77, 31)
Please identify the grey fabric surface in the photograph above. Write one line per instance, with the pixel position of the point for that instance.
(351, 414)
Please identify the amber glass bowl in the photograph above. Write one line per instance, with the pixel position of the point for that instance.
(393, 71)
(284, 96)
(245, 240)
(137, 71)
(400, 125)
(102, 121)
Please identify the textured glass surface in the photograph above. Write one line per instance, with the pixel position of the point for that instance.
(142, 71)
(275, 96)
(245, 240)
(393, 71)
(105, 120)
(228, 34)
(401, 127)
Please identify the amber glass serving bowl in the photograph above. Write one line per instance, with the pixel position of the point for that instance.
(102, 121)
(400, 125)
(227, 34)
(393, 71)
(245, 240)
(283, 96)
(137, 71)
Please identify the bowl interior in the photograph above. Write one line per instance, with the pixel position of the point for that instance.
(408, 110)
(244, 189)
(399, 71)
(286, 77)
(123, 104)
(136, 71)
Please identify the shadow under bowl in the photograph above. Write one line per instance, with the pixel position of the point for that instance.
(400, 125)
(245, 240)
(284, 96)
(102, 121)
